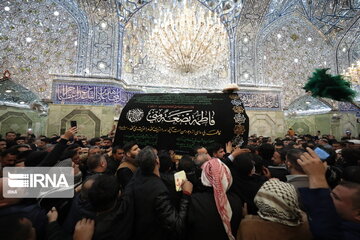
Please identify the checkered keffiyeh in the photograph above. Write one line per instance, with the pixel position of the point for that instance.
(217, 175)
(278, 202)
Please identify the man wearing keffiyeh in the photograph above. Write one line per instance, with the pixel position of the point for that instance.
(279, 215)
(220, 218)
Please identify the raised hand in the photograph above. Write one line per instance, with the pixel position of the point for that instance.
(314, 168)
(237, 151)
(69, 133)
(228, 147)
(187, 186)
(52, 215)
(84, 229)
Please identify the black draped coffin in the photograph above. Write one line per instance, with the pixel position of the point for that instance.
(183, 121)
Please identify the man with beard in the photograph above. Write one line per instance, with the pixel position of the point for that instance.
(129, 165)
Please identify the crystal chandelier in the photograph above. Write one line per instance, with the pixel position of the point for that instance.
(188, 39)
(353, 73)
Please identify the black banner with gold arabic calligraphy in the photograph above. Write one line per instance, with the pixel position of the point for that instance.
(183, 121)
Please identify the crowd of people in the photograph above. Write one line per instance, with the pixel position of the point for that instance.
(296, 187)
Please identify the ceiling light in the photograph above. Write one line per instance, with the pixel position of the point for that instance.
(7, 9)
(344, 49)
(56, 13)
(296, 60)
(309, 39)
(246, 40)
(101, 65)
(28, 39)
(8, 90)
(103, 25)
(22, 102)
(278, 36)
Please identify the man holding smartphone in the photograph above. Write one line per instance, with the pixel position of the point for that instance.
(332, 214)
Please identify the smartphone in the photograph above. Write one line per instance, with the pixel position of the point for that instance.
(321, 153)
(73, 123)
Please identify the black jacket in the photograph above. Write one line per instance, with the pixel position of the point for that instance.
(124, 176)
(112, 165)
(169, 181)
(279, 172)
(155, 216)
(54, 156)
(204, 222)
(246, 187)
(79, 209)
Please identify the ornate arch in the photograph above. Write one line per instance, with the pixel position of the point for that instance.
(346, 45)
(78, 14)
(290, 61)
(76, 112)
(16, 114)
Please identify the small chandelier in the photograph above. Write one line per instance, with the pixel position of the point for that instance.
(353, 73)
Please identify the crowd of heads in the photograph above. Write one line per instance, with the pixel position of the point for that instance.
(103, 170)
